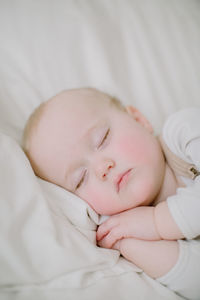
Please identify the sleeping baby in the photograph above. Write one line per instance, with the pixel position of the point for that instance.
(91, 145)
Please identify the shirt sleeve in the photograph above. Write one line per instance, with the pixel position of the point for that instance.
(182, 135)
(183, 278)
(185, 209)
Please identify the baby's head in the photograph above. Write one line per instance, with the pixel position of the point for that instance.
(61, 115)
(90, 144)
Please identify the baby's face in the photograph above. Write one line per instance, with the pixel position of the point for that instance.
(100, 153)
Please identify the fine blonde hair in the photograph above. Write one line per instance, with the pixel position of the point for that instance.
(34, 119)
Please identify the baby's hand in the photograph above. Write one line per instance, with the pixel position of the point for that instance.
(137, 223)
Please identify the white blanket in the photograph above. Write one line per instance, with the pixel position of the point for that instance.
(144, 52)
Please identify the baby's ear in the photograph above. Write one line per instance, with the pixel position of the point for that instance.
(139, 117)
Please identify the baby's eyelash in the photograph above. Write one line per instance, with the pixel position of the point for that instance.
(81, 181)
(105, 137)
(101, 143)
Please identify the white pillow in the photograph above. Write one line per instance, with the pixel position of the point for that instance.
(44, 233)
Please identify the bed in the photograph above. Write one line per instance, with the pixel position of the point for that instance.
(146, 53)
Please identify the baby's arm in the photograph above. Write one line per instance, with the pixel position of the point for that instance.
(165, 224)
(134, 234)
(145, 223)
(155, 258)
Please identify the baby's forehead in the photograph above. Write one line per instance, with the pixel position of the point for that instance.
(74, 105)
(72, 113)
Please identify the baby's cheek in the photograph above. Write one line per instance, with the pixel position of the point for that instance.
(129, 148)
(92, 197)
(99, 201)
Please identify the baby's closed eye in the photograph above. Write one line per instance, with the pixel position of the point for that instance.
(104, 138)
(81, 179)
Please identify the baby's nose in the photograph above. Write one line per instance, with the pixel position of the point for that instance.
(103, 167)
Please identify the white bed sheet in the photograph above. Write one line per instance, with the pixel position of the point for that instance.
(144, 52)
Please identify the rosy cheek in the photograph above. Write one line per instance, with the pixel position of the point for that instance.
(125, 146)
(130, 148)
(92, 197)
(98, 201)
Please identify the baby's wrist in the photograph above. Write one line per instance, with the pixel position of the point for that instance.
(157, 232)
(165, 224)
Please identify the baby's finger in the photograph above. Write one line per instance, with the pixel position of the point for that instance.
(111, 238)
(105, 227)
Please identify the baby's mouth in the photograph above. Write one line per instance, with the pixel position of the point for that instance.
(122, 179)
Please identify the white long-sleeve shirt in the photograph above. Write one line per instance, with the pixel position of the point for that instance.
(181, 133)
